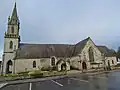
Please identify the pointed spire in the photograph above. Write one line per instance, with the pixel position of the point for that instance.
(14, 13)
(14, 17)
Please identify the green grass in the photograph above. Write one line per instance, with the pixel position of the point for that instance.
(33, 74)
(9, 75)
(36, 74)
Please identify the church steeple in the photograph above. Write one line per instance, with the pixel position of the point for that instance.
(12, 37)
(14, 18)
(11, 40)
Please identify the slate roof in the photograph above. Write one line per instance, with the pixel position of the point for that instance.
(32, 51)
(47, 50)
(80, 45)
(43, 50)
(107, 52)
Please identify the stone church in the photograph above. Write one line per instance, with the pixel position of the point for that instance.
(20, 57)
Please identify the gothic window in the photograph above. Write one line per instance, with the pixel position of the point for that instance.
(12, 29)
(53, 61)
(11, 45)
(34, 64)
(112, 62)
(91, 54)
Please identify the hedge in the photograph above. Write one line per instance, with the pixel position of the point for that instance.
(24, 73)
(10, 75)
(36, 74)
(33, 74)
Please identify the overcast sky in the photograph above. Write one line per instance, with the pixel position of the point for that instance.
(64, 21)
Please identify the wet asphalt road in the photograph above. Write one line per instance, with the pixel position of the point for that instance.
(106, 81)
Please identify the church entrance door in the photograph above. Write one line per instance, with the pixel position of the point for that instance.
(84, 66)
(9, 67)
(63, 67)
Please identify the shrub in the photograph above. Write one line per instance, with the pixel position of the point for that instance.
(14, 75)
(54, 73)
(24, 73)
(11, 75)
(60, 73)
(35, 74)
(5, 75)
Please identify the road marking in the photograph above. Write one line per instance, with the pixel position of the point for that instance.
(57, 83)
(3, 84)
(80, 80)
(30, 87)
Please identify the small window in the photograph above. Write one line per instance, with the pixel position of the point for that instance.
(12, 29)
(112, 62)
(11, 45)
(53, 61)
(34, 64)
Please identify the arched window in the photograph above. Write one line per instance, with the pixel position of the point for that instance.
(11, 45)
(112, 62)
(91, 54)
(12, 29)
(34, 64)
(53, 61)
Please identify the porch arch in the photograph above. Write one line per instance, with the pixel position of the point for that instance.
(9, 66)
(63, 65)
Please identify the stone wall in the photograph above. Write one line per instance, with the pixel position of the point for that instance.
(112, 60)
(97, 53)
(74, 62)
(85, 54)
(6, 44)
(22, 65)
(77, 61)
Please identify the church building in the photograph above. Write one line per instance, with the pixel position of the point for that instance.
(20, 57)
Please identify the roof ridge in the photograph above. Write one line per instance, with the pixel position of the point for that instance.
(44, 44)
(83, 40)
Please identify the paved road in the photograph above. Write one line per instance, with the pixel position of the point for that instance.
(109, 81)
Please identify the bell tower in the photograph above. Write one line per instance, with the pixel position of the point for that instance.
(11, 37)
(11, 42)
